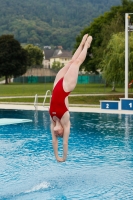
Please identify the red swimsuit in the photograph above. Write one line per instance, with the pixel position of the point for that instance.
(57, 104)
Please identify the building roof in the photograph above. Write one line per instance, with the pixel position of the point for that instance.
(64, 54)
(58, 53)
(48, 53)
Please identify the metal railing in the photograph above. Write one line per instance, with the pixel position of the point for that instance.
(36, 99)
(46, 95)
(36, 102)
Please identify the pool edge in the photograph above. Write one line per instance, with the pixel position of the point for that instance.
(71, 109)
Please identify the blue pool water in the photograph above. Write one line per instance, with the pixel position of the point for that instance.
(99, 164)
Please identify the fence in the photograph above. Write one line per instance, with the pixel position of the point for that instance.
(42, 75)
(34, 79)
(90, 79)
(50, 79)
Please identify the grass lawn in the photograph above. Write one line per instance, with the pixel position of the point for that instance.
(94, 100)
(24, 89)
(40, 89)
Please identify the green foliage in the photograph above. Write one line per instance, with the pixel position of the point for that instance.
(13, 58)
(57, 65)
(35, 55)
(113, 62)
(45, 22)
(102, 28)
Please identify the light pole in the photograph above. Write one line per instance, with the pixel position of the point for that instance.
(128, 28)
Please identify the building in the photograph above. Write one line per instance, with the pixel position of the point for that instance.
(61, 56)
(58, 55)
(48, 53)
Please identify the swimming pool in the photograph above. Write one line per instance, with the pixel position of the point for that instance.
(99, 164)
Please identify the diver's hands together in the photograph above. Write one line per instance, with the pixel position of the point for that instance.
(59, 159)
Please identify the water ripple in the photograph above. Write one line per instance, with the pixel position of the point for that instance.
(99, 164)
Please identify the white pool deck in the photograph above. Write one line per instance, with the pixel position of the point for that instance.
(73, 108)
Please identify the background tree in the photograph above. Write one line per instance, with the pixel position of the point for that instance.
(35, 55)
(113, 62)
(102, 28)
(51, 22)
(13, 58)
(57, 65)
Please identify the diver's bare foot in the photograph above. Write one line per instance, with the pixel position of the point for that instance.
(84, 39)
(88, 42)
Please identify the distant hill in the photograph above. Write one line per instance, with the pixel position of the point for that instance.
(49, 22)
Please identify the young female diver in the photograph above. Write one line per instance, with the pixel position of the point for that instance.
(64, 83)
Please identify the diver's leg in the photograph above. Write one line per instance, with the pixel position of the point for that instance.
(70, 78)
(64, 70)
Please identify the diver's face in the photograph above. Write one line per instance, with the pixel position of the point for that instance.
(58, 130)
(59, 133)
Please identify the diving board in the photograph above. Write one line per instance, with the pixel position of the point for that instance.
(7, 121)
